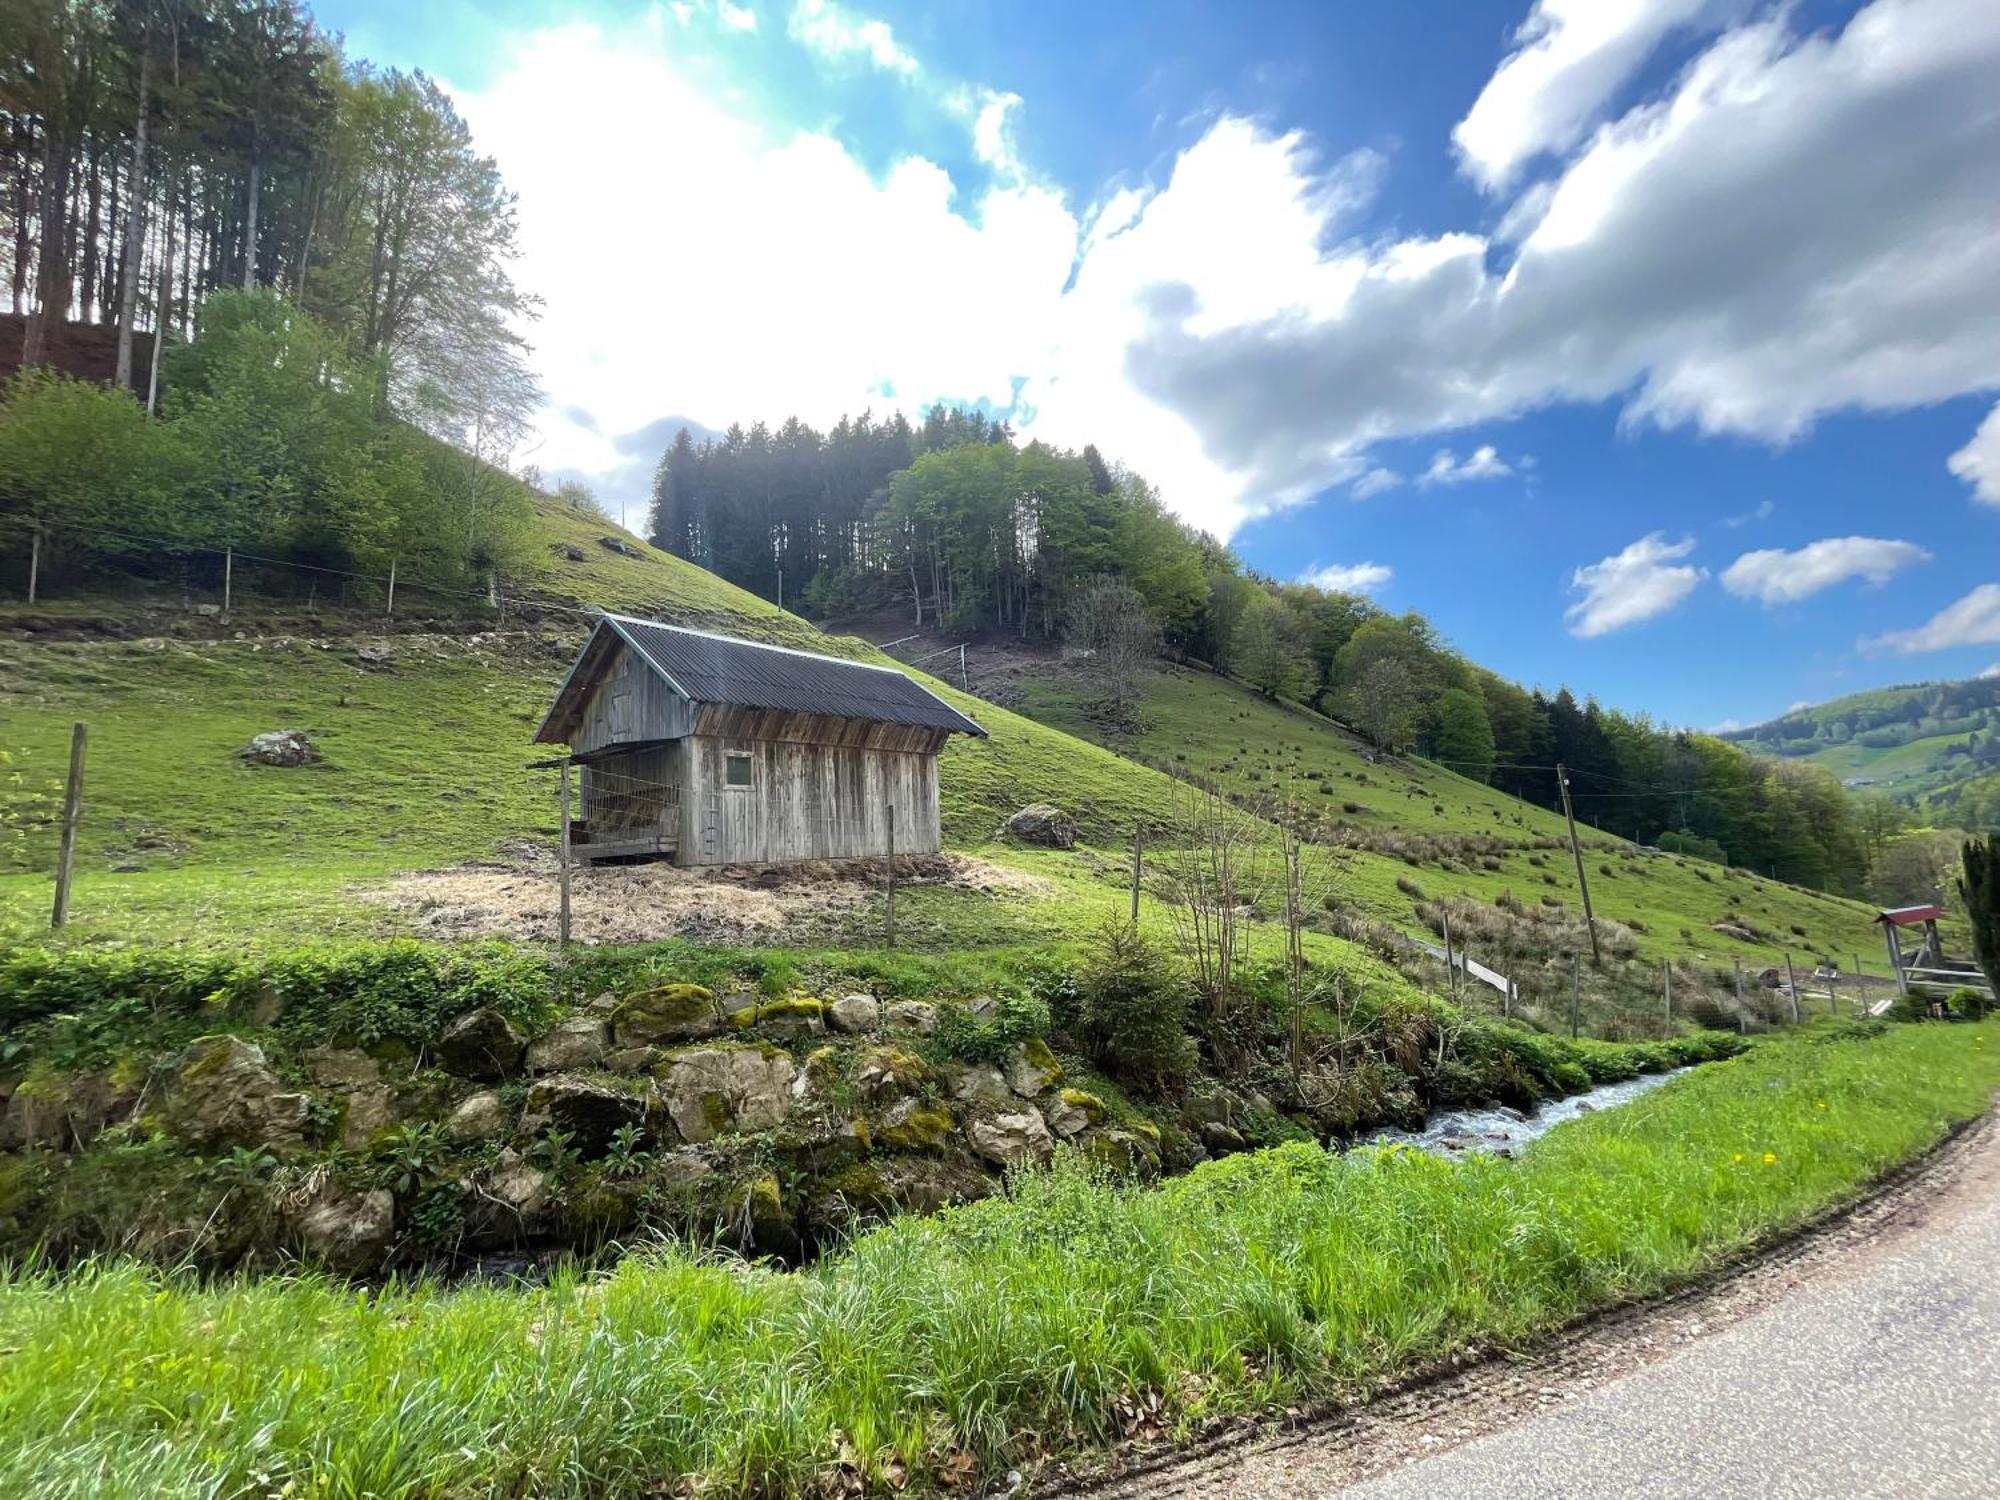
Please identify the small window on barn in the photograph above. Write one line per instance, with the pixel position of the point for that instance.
(736, 768)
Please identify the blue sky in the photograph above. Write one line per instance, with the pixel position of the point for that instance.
(1648, 346)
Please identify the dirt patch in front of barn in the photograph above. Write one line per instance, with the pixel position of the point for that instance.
(646, 903)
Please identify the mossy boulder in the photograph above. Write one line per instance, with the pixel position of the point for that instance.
(479, 1117)
(1070, 1112)
(890, 1072)
(1125, 1152)
(854, 1013)
(1015, 1139)
(590, 1113)
(1032, 1070)
(221, 1092)
(914, 1015)
(913, 1125)
(710, 1091)
(666, 1013)
(758, 1221)
(347, 1229)
(573, 1043)
(798, 1016)
(481, 1044)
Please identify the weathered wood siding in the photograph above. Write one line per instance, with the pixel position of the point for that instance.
(804, 801)
(629, 702)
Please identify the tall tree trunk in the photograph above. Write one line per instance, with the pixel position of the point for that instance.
(24, 139)
(51, 275)
(93, 225)
(160, 317)
(250, 226)
(135, 213)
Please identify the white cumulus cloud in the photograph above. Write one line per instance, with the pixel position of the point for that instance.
(1348, 578)
(1375, 482)
(1775, 576)
(1971, 621)
(1978, 462)
(1571, 56)
(1644, 580)
(1447, 468)
(841, 35)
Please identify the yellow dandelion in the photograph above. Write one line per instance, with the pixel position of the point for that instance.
(1739, 1156)
(1770, 1159)
(1819, 1104)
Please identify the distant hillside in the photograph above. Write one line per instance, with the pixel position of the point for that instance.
(1932, 746)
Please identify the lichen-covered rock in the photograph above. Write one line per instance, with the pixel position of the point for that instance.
(890, 1072)
(573, 1043)
(589, 1113)
(1217, 1107)
(221, 1092)
(758, 1221)
(913, 1125)
(666, 1013)
(342, 1067)
(1072, 1111)
(348, 1229)
(914, 1015)
(481, 1043)
(632, 1060)
(1126, 1152)
(815, 1077)
(280, 747)
(371, 1109)
(981, 1083)
(800, 1016)
(518, 1185)
(1043, 823)
(1033, 1070)
(854, 1013)
(481, 1117)
(1221, 1139)
(709, 1091)
(1013, 1139)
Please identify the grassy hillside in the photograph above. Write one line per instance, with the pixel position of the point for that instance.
(1930, 745)
(426, 759)
(1423, 833)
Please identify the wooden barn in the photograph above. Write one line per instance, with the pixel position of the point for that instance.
(711, 750)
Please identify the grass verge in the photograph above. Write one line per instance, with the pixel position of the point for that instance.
(935, 1349)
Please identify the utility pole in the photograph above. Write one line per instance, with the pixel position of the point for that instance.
(1138, 864)
(1792, 983)
(1576, 852)
(72, 805)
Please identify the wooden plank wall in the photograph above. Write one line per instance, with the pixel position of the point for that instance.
(629, 702)
(805, 801)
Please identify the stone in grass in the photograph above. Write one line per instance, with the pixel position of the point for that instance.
(590, 1114)
(280, 747)
(854, 1013)
(348, 1229)
(480, 1117)
(981, 1083)
(1043, 823)
(1013, 1139)
(1033, 1069)
(572, 1043)
(800, 1016)
(914, 1015)
(1072, 1111)
(666, 1013)
(222, 1093)
(709, 1091)
(913, 1125)
(890, 1073)
(481, 1043)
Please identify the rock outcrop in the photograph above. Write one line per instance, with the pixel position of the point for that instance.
(221, 1093)
(710, 1091)
(481, 1044)
(1010, 1140)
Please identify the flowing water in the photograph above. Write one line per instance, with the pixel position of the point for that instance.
(1502, 1131)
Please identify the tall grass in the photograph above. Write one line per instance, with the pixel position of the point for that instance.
(935, 1345)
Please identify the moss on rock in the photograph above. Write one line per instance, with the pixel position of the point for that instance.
(913, 1125)
(665, 1013)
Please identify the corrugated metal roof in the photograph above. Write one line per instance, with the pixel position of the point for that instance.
(747, 674)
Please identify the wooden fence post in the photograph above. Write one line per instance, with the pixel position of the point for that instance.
(891, 937)
(391, 610)
(562, 921)
(228, 578)
(1792, 983)
(1450, 967)
(72, 805)
(1138, 865)
(1667, 977)
(34, 562)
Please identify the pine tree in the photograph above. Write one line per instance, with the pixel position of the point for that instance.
(1979, 889)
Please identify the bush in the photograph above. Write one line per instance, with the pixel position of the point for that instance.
(991, 1038)
(1969, 1003)
(1132, 1006)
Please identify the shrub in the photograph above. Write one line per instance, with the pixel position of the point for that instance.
(1133, 1008)
(991, 1038)
(1970, 1003)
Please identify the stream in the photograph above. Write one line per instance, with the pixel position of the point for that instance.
(1501, 1131)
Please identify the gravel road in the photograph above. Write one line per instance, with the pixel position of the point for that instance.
(1863, 1359)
